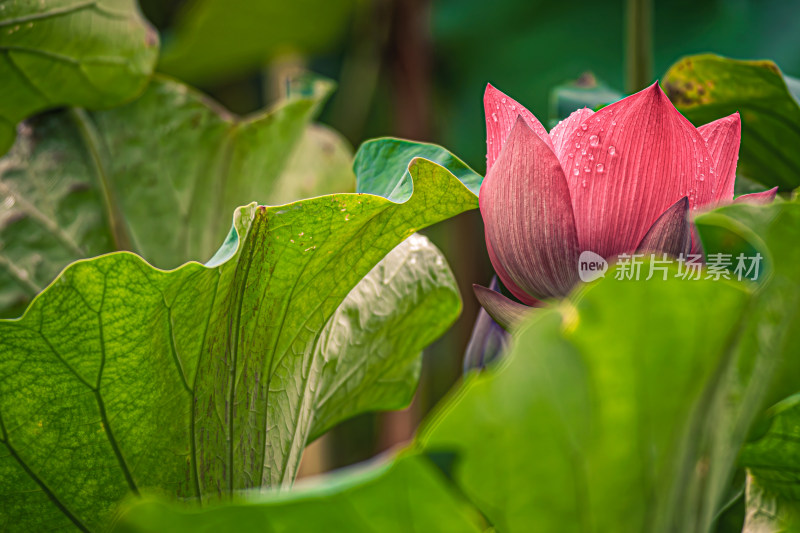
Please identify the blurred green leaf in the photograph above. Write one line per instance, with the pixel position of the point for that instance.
(406, 494)
(78, 184)
(769, 344)
(70, 52)
(224, 38)
(607, 416)
(773, 455)
(204, 380)
(708, 87)
(321, 163)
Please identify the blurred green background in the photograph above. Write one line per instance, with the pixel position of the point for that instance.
(418, 69)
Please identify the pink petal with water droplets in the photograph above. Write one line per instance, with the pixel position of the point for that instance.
(562, 133)
(722, 139)
(758, 198)
(636, 158)
(501, 115)
(527, 215)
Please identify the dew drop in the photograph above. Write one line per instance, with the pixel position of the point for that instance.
(494, 117)
(576, 172)
(599, 167)
(591, 157)
(583, 183)
(702, 177)
(579, 134)
(503, 100)
(513, 107)
(613, 122)
(587, 169)
(570, 155)
(577, 145)
(584, 127)
(594, 140)
(612, 150)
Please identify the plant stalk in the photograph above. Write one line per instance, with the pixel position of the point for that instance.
(638, 44)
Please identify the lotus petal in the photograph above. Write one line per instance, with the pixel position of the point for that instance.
(722, 139)
(488, 340)
(561, 134)
(504, 311)
(501, 114)
(670, 233)
(758, 198)
(635, 159)
(527, 214)
(510, 285)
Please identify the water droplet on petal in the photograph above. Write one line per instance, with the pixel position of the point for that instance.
(583, 183)
(599, 167)
(570, 155)
(587, 169)
(494, 117)
(612, 150)
(584, 127)
(594, 140)
(702, 177)
(576, 172)
(503, 100)
(577, 145)
(513, 107)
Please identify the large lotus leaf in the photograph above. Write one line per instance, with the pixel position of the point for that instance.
(772, 231)
(773, 456)
(80, 184)
(381, 166)
(407, 494)
(605, 398)
(206, 379)
(70, 52)
(708, 87)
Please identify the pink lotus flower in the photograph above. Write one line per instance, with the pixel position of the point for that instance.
(615, 181)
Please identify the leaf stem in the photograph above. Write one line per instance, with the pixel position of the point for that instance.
(119, 232)
(638, 44)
